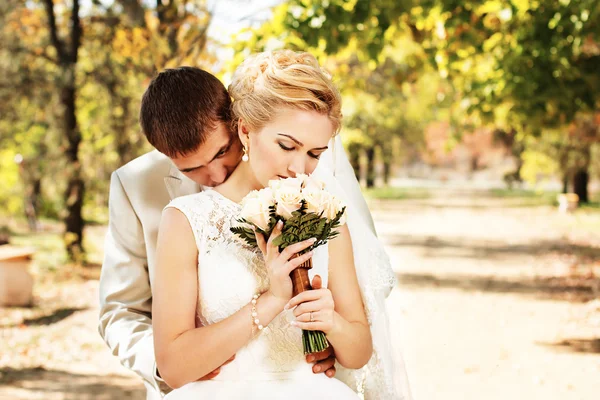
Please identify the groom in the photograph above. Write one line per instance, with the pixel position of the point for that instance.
(185, 115)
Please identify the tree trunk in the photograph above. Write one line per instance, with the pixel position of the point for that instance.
(124, 147)
(370, 167)
(74, 222)
(581, 179)
(387, 168)
(565, 182)
(32, 203)
(580, 185)
(354, 151)
(67, 52)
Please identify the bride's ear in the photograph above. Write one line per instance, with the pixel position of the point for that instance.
(243, 131)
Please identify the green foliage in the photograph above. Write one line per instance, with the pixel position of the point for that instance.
(301, 226)
(396, 193)
(10, 201)
(538, 166)
(331, 25)
(124, 43)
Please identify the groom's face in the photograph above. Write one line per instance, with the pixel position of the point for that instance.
(213, 162)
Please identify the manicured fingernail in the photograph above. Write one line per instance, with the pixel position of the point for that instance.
(317, 369)
(293, 323)
(310, 358)
(280, 224)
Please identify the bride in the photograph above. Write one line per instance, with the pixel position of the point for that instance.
(215, 297)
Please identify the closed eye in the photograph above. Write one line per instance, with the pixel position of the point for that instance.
(312, 155)
(285, 148)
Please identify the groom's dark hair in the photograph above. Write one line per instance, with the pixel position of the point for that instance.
(181, 107)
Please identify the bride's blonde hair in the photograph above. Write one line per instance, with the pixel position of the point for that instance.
(267, 82)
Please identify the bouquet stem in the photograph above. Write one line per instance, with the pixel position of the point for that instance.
(313, 341)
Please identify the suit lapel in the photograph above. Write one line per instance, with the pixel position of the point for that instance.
(179, 185)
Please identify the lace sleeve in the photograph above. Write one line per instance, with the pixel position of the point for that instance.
(192, 207)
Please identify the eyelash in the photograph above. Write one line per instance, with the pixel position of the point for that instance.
(223, 152)
(292, 149)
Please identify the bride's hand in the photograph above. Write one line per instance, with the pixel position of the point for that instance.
(280, 265)
(315, 309)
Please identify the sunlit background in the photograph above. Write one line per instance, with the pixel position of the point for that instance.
(473, 127)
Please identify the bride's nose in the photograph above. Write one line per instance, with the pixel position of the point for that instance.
(297, 166)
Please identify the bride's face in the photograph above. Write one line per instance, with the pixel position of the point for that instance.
(288, 145)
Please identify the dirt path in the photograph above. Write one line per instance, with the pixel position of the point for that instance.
(482, 304)
(492, 305)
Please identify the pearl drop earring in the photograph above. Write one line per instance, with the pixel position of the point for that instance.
(245, 156)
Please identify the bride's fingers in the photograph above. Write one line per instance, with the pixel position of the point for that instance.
(289, 251)
(316, 316)
(296, 262)
(308, 295)
(311, 306)
(310, 326)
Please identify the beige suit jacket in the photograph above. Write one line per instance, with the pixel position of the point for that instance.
(138, 193)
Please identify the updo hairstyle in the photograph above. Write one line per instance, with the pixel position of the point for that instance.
(267, 82)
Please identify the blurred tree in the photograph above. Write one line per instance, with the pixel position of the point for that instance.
(65, 56)
(530, 65)
(379, 99)
(534, 62)
(79, 70)
(513, 143)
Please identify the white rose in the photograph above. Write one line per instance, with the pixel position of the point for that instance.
(331, 206)
(334, 207)
(266, 196)
(294, 183)
(311, 183)
(288, 199)
(302, 178)
(252, 195)
(316, 200)
(275, 184)
(255, 208)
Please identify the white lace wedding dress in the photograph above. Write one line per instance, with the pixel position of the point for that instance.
(272, 365)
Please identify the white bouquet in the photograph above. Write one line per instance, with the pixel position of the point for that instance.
(307, 211)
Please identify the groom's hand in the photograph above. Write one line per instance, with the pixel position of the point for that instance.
(216, 371)
(325, 360)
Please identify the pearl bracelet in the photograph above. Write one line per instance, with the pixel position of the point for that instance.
(255, 320)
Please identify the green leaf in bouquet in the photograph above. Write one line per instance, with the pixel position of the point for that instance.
(245, 232)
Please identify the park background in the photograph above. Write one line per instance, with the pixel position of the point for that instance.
(464, 120)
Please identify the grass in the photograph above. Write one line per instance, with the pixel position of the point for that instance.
(396, 193)
(526, 197)
(537, 198)
(50, 259)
